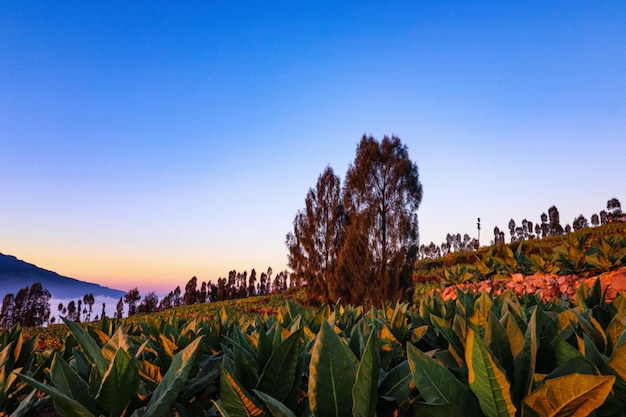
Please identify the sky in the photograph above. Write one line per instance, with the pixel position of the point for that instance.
(143, 143)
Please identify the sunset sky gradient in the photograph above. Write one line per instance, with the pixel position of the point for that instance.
(143, 143)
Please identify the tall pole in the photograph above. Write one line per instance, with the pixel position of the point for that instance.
(478, 226)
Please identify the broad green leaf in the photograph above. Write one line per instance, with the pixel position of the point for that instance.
(464, 303)
(437, 384)
(173, 381)
(397, 383)
(564, 351)
(592, 353)
(265, 346)
(235, 400)
(526, 361)
(562, 325)
(358, 337)
(119, 384)
(444, 328)
(275, 407)
(246, 369)
(242, 341)
(83, 366)
(364, 392)
(88, 345)
(332, 374)
(279, 376)
(573, 395)
(66, 380)
(69, 406)
(595, 295)
(500, 344)
(487, 381)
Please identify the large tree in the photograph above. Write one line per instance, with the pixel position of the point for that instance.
(317, 237)
(381, 196)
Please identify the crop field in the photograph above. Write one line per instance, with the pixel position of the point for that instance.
(478, 355)
(488, 352)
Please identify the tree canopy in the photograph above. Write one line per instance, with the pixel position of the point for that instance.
(357, 244)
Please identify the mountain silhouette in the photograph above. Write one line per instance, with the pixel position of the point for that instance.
(16, 274)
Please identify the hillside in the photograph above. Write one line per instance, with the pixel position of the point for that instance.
(16, 274)
(583, 254)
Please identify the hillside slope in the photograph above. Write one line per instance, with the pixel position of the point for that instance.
(16, 274)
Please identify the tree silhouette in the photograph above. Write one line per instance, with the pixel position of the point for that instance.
(554, 221)
(191, 291)
(614, 208)
(131, 298)
(119, 309)
(604, 217)
(595, 220)
(512, 229)
(88, 300)
(7, 311)
(252, 283)
(381, 196)
(72, 313)
(545, 228)
(149, 304)
(30, 307)
(317, 236)
(580, 222)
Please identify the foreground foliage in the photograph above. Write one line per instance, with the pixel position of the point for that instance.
(478, 355)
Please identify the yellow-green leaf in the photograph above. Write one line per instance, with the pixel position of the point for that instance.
(573, 395)
(486, 379)
(235, 400)
(332, 374)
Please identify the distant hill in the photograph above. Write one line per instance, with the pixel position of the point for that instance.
(16, 274)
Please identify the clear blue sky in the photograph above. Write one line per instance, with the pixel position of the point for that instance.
(142, 143)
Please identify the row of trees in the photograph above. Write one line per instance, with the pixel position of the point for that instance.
(79, 310)
(237, 285)
(453, 243)
(549, 225)
(30, 307)
(356, 242)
